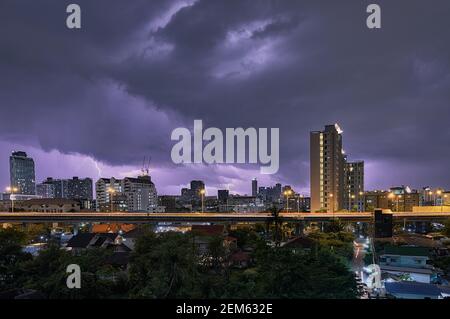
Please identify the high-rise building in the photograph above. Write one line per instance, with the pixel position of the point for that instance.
(22, 175)
(107, 190)
(270, 195)
(75, 188)
(79, 188)
(45, 190)
(130, 194)
(222, 195)
(354, 186)
(327, 169)
(196, 187)
(254, 187)
(397, 199)
(140, 193)
(61, 188)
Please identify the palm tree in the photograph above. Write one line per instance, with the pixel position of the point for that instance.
(276, 220)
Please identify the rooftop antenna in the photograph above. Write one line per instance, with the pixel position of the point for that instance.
(146, 166)
(143, 167)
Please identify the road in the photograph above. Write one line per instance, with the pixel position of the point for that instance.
(208, 217)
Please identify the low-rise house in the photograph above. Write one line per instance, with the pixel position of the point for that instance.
(130, 237)
(299, 243)
(408, 262)
(83, 241)
(415, 290)
(112, 228)
(204, 233)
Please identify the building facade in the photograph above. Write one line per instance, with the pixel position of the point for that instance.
(397, 199)
(354, 186)
(22, 174)
(45, 190)
(222, 196)
(75, 188)
(105, 190)
(327, 165)
(254, 187)
(79, 188)
(141, 194)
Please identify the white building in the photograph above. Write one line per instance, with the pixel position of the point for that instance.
(107, 189)
(141, 194)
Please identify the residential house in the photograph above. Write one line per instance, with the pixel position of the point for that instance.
(408, 261)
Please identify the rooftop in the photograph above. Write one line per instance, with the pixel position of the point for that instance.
(413, 288)
(406, 251)
(208, 230)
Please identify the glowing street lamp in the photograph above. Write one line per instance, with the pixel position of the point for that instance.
(439, 194)
(443, 202)
(352, 197)
(332, 201)
(298, 202)
(360, 207)
(398, 202)
(11, 190)
(111, 192)
(202, 193)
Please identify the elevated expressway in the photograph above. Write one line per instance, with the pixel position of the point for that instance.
(128, 217)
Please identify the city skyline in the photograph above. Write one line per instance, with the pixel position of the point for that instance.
(247, 188)
(99, 99)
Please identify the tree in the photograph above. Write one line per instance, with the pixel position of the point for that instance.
(47, 274)
(283, 273)
(217, 253)
(446, 230)
(276, 221)
(11, 256)
(163, 266)
(334, 226)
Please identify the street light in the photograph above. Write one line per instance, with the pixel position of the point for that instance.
(442, 202)
(332, 201)
(111, 192)
(11, 190)
(391, 196)
(438, 193)
(202, 193)
(298, 202)
(350, 202)
(398, 202)
(361, 206)
(287, 193)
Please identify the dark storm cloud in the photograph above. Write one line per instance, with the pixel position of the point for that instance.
(138, 69)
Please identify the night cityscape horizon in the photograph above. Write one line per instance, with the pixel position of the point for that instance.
(134, 171)
(215, 158)
(123, 108)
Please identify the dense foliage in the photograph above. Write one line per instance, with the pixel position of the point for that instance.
(168, 265)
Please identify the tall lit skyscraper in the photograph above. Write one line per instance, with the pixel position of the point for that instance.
(254, 187)
(354, 186)
(21, 172)
(327, 165)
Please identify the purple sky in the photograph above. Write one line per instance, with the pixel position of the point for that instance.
(93, 102)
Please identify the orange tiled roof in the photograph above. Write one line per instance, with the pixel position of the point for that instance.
(208, 230)
(112, 228)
